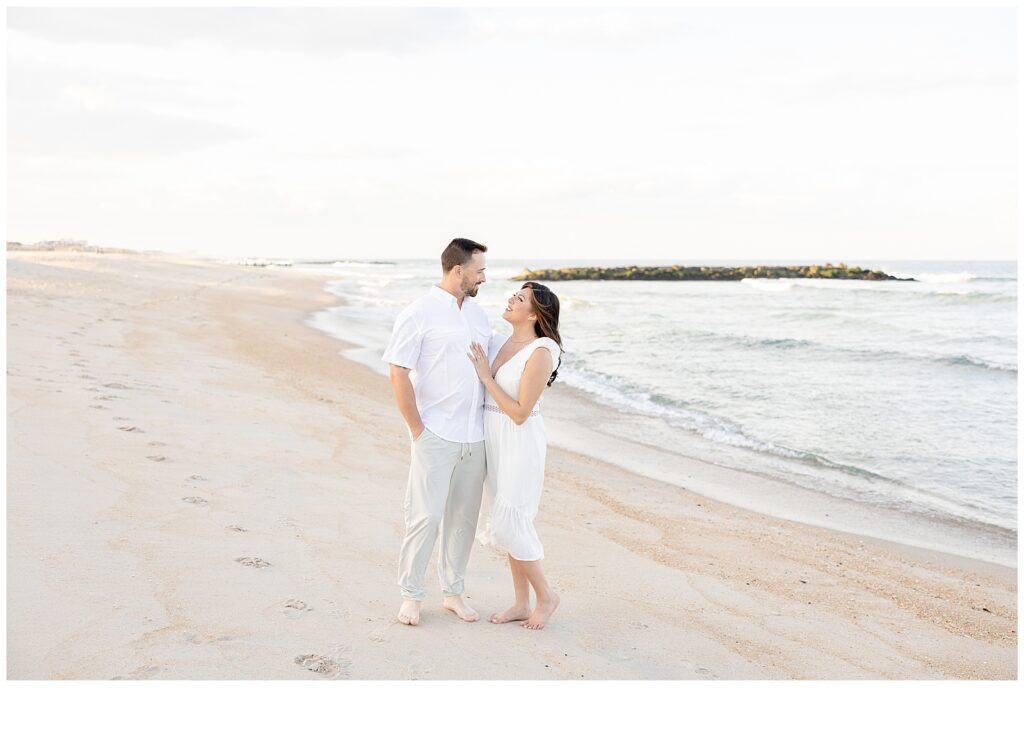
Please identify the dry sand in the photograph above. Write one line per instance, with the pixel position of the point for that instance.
(200, 487)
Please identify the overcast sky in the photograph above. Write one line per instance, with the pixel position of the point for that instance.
(811, 134)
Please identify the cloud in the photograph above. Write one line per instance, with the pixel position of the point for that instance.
(33, 82)
(85, 133)
(323, 31)
(78, 111)
(89, 97)
(612, 119)
(899, 84)
(350, 152)
(607, 28)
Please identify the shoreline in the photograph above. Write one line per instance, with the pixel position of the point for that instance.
(694, 466)
(773, 496)
(238, 435)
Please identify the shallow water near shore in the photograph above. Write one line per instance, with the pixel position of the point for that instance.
(896, 396)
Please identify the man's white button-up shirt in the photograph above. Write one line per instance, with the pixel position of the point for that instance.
(432, 337)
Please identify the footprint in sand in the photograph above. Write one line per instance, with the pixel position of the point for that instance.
(202, 640)
(115, 385)
(325, 665)
(106, 398)
(131, 429)
(253, 561)
(100, 407)
(295, 608)
(155, 443)
(195, 500)
(86, 376)
(197, 478)
(143, 672)
(157, 458)
(417, 670)
(237, 528)
(121, 417)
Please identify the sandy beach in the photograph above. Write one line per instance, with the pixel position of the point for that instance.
(200, 487)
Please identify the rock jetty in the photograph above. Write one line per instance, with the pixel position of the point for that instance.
(712, 273)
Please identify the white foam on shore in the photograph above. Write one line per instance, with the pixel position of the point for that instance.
(945, 277)
(819, 473)
(768, 285)
(366, 340)
(577, 423)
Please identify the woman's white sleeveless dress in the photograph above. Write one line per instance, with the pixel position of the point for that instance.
(515, 463)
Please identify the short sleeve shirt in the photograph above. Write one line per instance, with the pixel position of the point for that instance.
(432, 337)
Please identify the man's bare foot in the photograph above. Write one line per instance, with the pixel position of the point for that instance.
(460, 608)
(516, 612)
(542, 612)
(409, 612)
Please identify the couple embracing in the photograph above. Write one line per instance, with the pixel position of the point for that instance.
(470, 398)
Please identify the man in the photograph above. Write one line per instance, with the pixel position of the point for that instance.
(441, 399)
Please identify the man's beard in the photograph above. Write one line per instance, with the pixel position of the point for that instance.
(471, 290)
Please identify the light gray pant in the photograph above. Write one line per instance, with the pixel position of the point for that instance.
(445, 485)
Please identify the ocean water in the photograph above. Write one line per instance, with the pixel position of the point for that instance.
(899, 395)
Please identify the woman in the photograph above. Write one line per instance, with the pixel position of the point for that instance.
(515, 376)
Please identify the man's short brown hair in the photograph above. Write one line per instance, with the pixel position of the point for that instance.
(458, 252)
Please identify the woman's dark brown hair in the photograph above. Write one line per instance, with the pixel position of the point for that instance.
(545, 305)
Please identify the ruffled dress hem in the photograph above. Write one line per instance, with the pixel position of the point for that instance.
(512, 531)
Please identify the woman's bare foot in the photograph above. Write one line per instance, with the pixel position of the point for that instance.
(460, 608)
(409, 612)
(542, 612)
(516, 612)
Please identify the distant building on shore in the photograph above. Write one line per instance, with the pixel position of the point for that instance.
(65, 244)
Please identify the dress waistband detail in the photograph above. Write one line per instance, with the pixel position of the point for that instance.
(495, 409)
